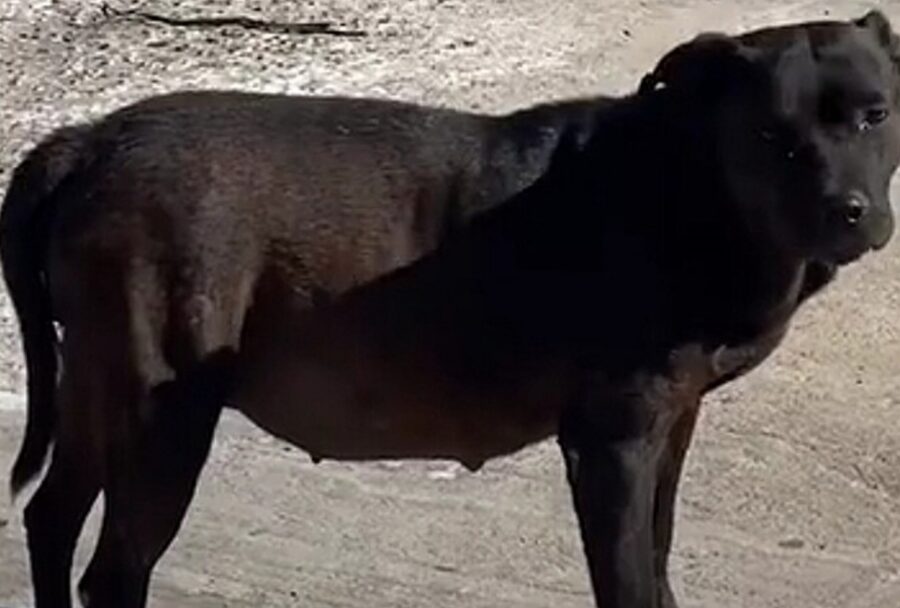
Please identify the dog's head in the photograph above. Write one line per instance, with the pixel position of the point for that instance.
(806, 127)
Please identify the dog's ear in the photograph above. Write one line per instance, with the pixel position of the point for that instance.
(876, 22)
(704, 65)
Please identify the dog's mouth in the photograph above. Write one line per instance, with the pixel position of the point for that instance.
(843, 256)
(852, 248)
(849, 238)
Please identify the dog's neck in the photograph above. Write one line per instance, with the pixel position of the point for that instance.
(745, 273)
(519, 147)
(642, 192)
(767, 272)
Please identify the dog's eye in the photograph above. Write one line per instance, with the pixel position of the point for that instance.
(872, 118)
(780, 141)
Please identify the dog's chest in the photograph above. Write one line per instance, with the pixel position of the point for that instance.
(700, 368)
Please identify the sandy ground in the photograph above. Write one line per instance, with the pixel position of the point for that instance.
(791, 496)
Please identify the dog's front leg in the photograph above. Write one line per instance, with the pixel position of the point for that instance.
(669, 469)
(612, 447)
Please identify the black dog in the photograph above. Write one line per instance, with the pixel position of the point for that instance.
(374, 280)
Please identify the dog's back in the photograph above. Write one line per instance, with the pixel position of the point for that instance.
(342, 189)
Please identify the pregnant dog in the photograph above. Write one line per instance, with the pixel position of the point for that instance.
(368, 279)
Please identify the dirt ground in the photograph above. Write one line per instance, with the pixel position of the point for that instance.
(791, 496)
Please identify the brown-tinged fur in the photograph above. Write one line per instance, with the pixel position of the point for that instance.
(374, 279)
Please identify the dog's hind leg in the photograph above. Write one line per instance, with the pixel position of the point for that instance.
(161, 429)
(153, 477)
(56, 513)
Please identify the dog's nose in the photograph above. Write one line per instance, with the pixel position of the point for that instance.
(854, 208)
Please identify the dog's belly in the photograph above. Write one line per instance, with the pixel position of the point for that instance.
(423, 366)
(337, 394)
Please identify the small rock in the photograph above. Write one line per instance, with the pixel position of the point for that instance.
(448, 474)
(442, 475)
(791, 543)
